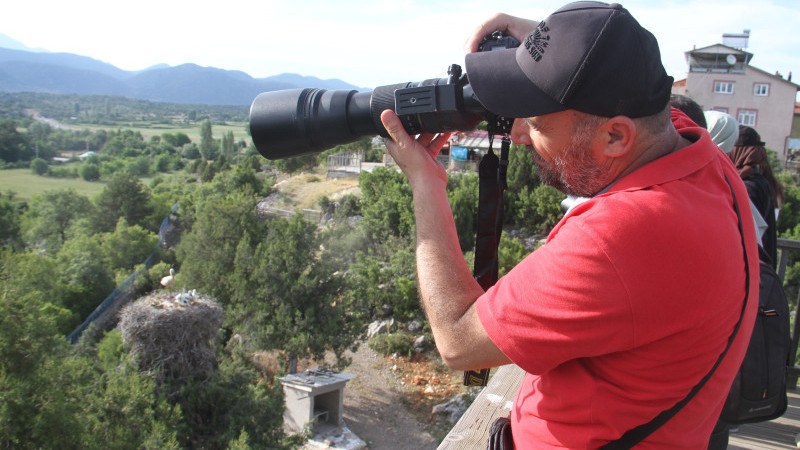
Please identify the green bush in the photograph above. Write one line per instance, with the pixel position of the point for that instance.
(387, 344)
(90, 172)
(39, 166)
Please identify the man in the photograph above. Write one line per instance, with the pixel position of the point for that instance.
(633, 297)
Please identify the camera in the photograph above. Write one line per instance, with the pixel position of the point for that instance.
(296, 122)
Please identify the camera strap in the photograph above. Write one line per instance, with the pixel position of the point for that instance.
(492, 182)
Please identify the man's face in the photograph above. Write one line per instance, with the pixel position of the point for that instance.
(562, 146)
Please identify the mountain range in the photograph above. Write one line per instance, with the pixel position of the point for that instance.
(34, 70)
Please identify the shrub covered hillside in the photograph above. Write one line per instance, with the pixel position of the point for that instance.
(285, 292)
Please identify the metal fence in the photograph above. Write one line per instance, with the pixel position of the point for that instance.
(344, 164)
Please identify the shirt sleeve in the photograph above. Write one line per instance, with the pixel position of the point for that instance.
(564, 301)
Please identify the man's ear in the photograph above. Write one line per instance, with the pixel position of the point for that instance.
(618, 134)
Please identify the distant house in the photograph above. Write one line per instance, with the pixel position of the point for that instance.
(85, 155)
(793, 146)
(721, 78)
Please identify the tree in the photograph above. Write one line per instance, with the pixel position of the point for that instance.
(286, 297)
(33, 275)
(538, 210)
(462, 192)
(140, 166)
(10, 219)
(509, 253)
(386, 203)
(90, 172)
(123, 196)
(296, 164)
(13, 145)
(190, 151)
(82, 268)
(127, 246)
(124, 143)
(39, 166)
(207, 251)
(33, 414)
(385, 275)
(228, 145)
(51, 395)
(51, 214)
(208, 148)
(176, 140)
(162, 163)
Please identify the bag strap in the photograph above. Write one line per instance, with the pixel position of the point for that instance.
(638, 434)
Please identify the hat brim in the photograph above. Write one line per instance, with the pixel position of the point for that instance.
(503, 88)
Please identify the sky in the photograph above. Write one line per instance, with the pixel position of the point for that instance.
(365, 43)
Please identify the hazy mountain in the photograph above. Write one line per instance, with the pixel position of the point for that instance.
(62, 60)
(67, 73)
(8, 42)
(26, 76)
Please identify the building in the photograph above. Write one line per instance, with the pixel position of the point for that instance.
(721, 78)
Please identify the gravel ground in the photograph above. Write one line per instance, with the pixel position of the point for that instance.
(373, 409)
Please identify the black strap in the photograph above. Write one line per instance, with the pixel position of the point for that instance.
(489, 227)
(636, 435)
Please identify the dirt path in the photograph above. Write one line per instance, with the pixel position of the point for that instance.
(373, 409)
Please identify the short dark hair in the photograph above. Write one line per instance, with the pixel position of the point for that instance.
(690, 108)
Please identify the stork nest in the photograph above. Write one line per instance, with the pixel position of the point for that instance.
(172, 334)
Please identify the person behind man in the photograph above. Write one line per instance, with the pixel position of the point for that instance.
(724, 131)
(636, 291)
(723, 128)
(689, 107)
(750, 158)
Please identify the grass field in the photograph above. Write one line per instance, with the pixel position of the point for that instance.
(25, 184)
(148, 130)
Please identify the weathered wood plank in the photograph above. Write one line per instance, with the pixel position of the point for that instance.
(472, 430)
(775, 434)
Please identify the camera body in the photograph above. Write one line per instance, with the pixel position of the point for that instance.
(497, 41)
(296, 122)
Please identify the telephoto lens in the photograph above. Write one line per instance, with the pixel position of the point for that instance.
(296, 122)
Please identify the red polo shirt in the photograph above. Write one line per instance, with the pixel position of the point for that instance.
(628, 305)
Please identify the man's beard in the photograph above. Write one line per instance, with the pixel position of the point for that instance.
(574, 172)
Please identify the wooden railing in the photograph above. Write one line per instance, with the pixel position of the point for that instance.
(495, 400)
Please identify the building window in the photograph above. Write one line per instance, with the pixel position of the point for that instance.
(720, 109)
(761, 89)
(747, 117)
(723, 87)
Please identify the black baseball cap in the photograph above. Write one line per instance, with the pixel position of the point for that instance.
(588, 56)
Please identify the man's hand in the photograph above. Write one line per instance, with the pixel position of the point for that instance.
(447, 288)
(516, 27)
(415, 157)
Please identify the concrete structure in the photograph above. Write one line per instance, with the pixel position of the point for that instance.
(721, 78)
(313, 398)
(345, 164)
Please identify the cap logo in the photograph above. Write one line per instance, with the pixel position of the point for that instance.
(537, 42)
